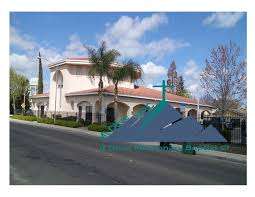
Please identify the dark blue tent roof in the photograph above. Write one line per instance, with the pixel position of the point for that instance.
(185, 130)
(211, 134)
(161, 115)
(129, 122)
(163, 124)
(147, 127)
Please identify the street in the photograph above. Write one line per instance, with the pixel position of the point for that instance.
(41, 155)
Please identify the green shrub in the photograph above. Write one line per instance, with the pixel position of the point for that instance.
(87, 123)
(67, 123)
(68, 118)
(81, 122)
(98, 127)
(45, 120)
(22, 117)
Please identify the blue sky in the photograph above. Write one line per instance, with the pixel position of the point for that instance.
(152, 39)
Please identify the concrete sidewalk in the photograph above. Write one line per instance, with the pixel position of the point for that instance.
(84, 131)
(219, 155)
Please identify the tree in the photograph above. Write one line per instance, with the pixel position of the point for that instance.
(101, 59)
(172, 77)
(24, 88)
(180, 88)
(14, 88)
(208, 99)
(18, 90)
(40, 76)
(176, 82)
(224, 77)
(129, 70)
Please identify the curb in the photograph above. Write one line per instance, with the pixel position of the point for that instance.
(241, 161)
(215, 154)
(59, 128)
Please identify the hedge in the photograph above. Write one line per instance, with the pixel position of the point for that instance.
(67, 123)
(98, 127)
(73, 118)
(61, 122)
(22, 117)
(45, 120)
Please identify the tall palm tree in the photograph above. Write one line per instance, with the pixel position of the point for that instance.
(129, 70)
(102, 59)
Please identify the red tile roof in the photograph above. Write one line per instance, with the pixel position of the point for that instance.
(143, 92)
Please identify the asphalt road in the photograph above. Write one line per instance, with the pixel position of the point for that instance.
(50, 156)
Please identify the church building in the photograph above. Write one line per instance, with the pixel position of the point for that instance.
(73, 93)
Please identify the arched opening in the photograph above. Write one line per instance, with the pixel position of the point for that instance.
(58, 79)
(41, 110)
(85, 111)
(205, 114)
(138, 108)
(112, 114)
(192, 113)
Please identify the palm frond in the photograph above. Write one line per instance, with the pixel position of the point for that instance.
(133, 69)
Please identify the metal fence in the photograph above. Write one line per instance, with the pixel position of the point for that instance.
(233, 128)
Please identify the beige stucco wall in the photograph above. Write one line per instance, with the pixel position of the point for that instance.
(75, 78)
(72, 103)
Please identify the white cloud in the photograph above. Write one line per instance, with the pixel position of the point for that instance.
(126, 36)
(133, 28)
(223, 19)
(22, 41)
(20, 62)
(152, 73)
(75, 47)
(26, 62)
(191, 75)
(50, 54)
(152, 69)
(163, 46)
